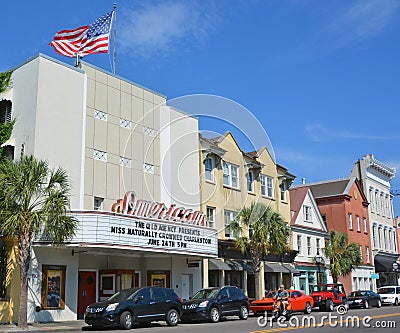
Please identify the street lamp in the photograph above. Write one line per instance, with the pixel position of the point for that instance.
(319, 261)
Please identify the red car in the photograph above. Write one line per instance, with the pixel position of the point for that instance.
(299, 301)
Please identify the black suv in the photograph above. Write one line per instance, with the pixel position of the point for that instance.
(136, 305)
(213, 303)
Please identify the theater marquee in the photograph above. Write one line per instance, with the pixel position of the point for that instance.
(147, 226)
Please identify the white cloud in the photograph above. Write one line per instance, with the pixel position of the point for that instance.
(320, 133)
(365, 19)
(348, 23)
(164, 26)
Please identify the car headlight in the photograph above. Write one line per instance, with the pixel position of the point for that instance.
(112, 307)
(203, 304)
(358, 300)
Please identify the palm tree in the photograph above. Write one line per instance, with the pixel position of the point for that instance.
(34, 201)
(267, 233)
(343, 257)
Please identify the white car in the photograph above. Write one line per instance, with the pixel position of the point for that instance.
(390, 295)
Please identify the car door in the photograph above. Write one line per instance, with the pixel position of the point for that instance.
(145, 305)
(296, 300)
(162, 306)
(236, 302)
(225, 303)
(370, 298)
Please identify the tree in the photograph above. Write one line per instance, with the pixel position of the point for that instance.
(267, 233)
(7, 127)
(5, 81)
(34, 201)
(343, 256)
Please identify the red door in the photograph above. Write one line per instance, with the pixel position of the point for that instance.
(86, 291)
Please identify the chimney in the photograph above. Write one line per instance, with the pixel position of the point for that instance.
(303, 180)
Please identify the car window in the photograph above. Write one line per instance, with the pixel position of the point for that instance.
(146, 293)
(385, 290)
(169, 292)
(296, 293)
(223, 293)
(236, 293)
(206, 294)
(124, 294)
(158, 292)
(357, 293)
(398, 290)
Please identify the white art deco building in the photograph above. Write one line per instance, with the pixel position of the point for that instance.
(134, 170)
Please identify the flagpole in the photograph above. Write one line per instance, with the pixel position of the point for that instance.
(115, 37)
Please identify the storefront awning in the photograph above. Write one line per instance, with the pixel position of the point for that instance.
(292, 270)
(218, 265)
(384, 263)
(275, 267)
(239, 265)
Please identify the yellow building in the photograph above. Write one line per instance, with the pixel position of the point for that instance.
(9, 281)
(230, 180)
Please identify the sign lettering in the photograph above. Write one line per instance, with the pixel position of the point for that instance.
(130, 205)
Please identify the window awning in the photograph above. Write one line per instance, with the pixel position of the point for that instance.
(292, 270)
(239, 265)
(384, 263)
(275, 267)
(218, 265)
(9, 142)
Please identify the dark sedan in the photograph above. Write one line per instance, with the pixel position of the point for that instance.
(363, 299)
(135, 305)
(213, 303)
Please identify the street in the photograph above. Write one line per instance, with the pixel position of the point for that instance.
(385, 319)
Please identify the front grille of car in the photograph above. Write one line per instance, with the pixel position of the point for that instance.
(94, 310)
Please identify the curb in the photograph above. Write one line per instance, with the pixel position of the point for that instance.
(46, 328)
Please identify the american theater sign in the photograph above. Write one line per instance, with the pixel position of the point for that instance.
(148, 226)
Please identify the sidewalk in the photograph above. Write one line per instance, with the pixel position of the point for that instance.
(63, 326)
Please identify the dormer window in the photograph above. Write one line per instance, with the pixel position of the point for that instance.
(283, 189)
(209, 169)
(307, 213)
(250, 181)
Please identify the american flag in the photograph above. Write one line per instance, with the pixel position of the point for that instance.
(84, 40)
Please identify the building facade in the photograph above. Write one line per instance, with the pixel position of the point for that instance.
(309, 234)
(230, 180)
(135, 186)
(375, 178)
(344, 207)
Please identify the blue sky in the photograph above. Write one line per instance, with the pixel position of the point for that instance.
(321, 77)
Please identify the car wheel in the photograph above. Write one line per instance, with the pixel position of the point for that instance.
(243, 312)
(366, 304)
(379, 304)
(214, 315)
(396, 302)
(308, 308)
(126, 320)
(329, 305)
(172, 317)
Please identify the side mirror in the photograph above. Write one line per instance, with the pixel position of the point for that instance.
(295, 296)
(139, 298)
(190, 297)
